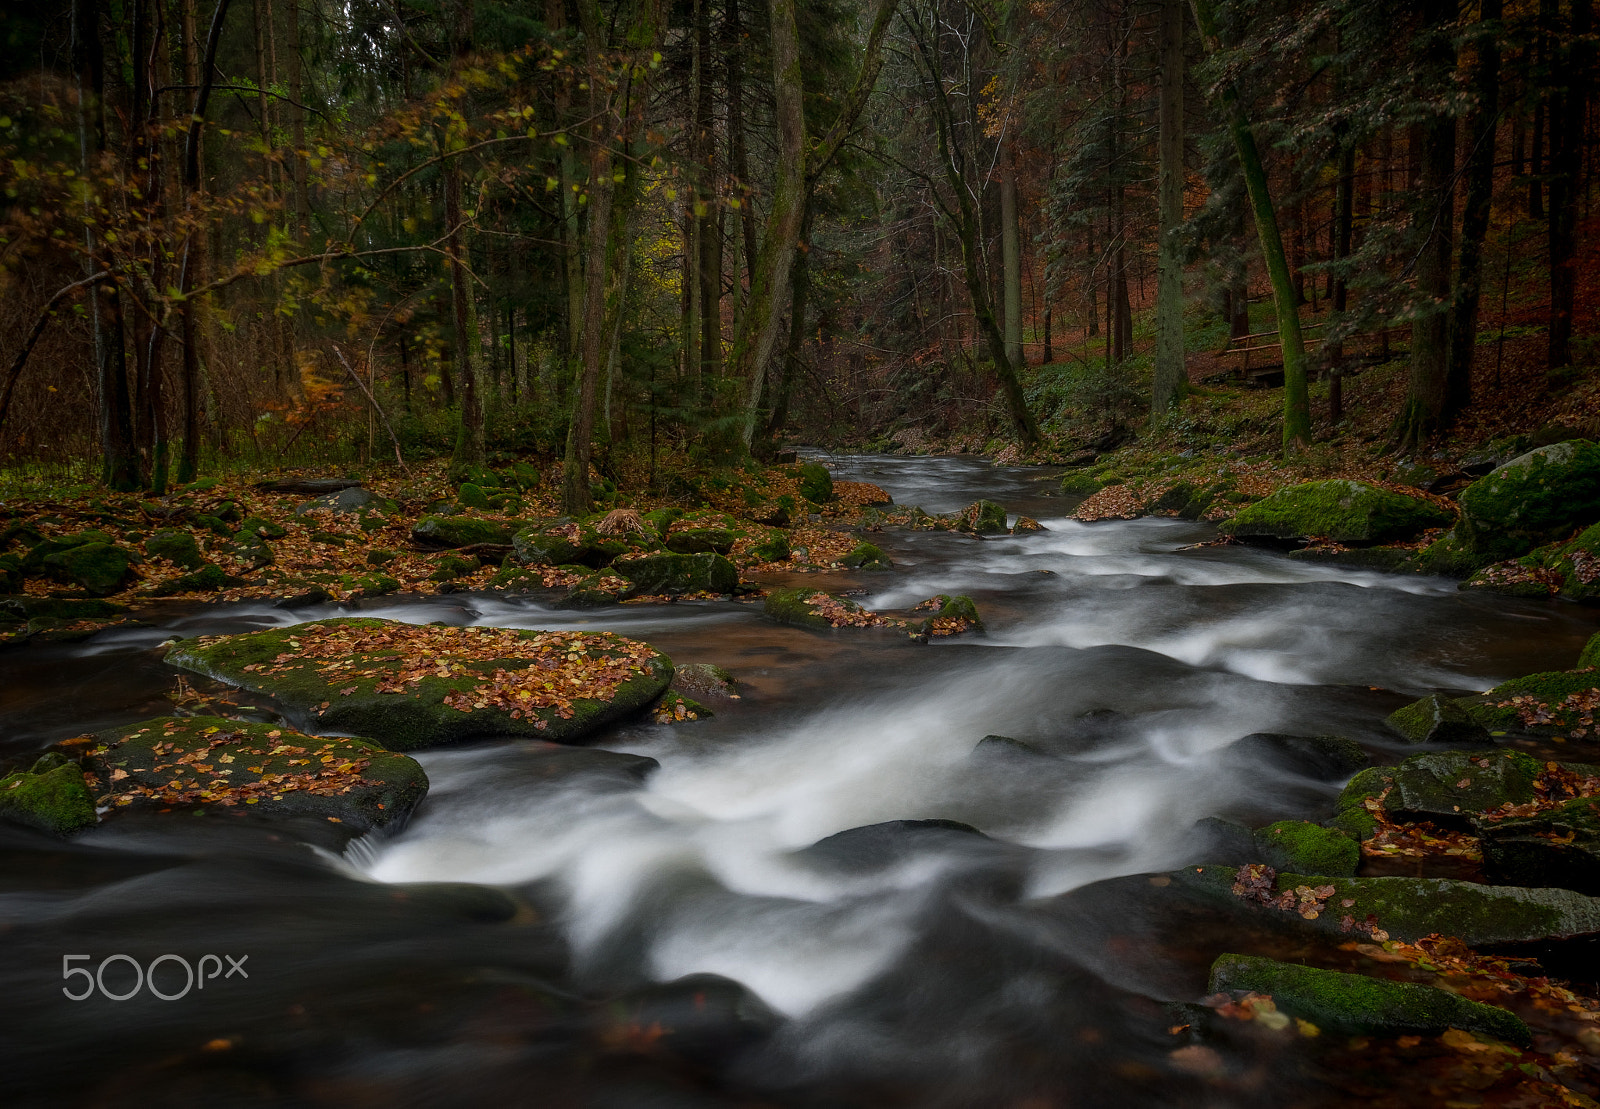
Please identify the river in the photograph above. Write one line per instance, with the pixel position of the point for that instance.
(584, 927)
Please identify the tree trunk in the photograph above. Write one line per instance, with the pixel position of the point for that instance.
(1296, 395)
(1566, 182)
(1343, 228)
(1475, 216)
(1167, 387)
(1011, 254)
(470, 448)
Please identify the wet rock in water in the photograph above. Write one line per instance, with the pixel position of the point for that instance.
(952, 616)
(1341, 510)
(591, 542)
(1399, 908)
(177, 547)
(676, 574)
(1026, 524)
(1557, 847)
(865, 556)
(879, 845)
(100, 569)
(1448, 556)
(410, 687)
(215, 764)
(50, 796)
(816, 483)
(1533, 499)
(1325, 757)
(596, 590)
(702, 1017)
(1004, 746)
(1556, 702)
(1387, 559)
(983, 518)
(1305, 848)
(59, 608)
(1449, 787)
(675, 708)
(1080, 483)
(1356, 1005)
(462, 531)
(813, 608)
(1437, 719)
(702, 679)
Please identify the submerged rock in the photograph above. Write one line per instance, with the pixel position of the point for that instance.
(1341, 510)
(1326, 757)
(702, 679)
(983, 518)
(879, 845)
(213, 763)
(51, 796)
(1356, 1005)
(1437, 719)
(1402, 908)
(411, 687)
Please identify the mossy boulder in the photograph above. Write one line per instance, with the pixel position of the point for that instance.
(1448, 557)
(462, 531)
(59, 608)
(704, 680)
(794, 607)
(983, 518)
(676, 574)
(33, 562)
(10, 573)
(51, 797)
(411, 687)
(1450, 786)
(1534, 703)
(1557, 847)
(1353, 1004)
(563, 541)
(700, 541)
(449, 567)
(955, 615)
(1408, 908)
(816, 484)
(1306, 848)
(773, 548)
(603, 587)
(207, 579)
(865, 556)
(210, 763)
(261, 527)
(1533, 499)
(1080, 483)
(472, 496)
(1341, 510)
(177, 547)
(100, 569)
(1589, 657)
(345, 502)
(1437, 719)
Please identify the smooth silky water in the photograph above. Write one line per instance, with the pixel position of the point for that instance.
(545, 930)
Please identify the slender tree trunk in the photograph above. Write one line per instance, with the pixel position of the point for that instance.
(1296, 395)
(1475, 216)
(470, 448)
(707, 206)
(1167, 387)
(1566, 182)
(1011, 255)
(1343, 228)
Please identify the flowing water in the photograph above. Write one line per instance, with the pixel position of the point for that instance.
(562, 926)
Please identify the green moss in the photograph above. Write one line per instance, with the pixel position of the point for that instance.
(259, 526)
(207, 579)
(1532, 499)
(1437, 719)
(1354, 1004)
(700, 541)
(53, 800)
(419, 717)
(449, 567)
(774, 548)
(59, 608)
(1341, 510)
(1080, 483)
(788, 606)
(177, 547)
(865, 556)
(1590, 656)
(472, 496)
(219, 764)
(983, 518)
(958, 607)
(1558, 847)
(381, 556)
(1550, 687)
(1450, 557)
(461, 531)
(1308, 848)
(1450, 786)
(816, 484)
(370, 585)
(603, 587)
(97, 568)
(1411, 908)
(676, 574)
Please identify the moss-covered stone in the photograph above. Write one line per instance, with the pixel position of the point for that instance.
(675, 708)
(369, 585)
(1533, 499)
(704, 680)
(1500, 709)
(1449, 557)
(436, 693)
(1385, 559)
(1307, 848)
(1590, 655)
(33, 562)
(449, 567)
(563, 541)
(1558, 847)
(59, 608)
(1080, 483)
(51, 797)
(816, 484)
(1450, 786)
(100, 569)
(773, 548)
(461, 531)
(211, 763)
(1341, 510)
(700, 541)
(261, 527)
(1437, 719)
(472, 496)
(347, 502)
(1327, 757)
(603, 587)
(983, 518)
(789, 606)
(1354, 1004)
(676, 574)
(1411, 908)
(177, 547)
(207, 579)
(955, 615)
(865, 556)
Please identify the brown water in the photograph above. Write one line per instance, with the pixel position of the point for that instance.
(586, 927)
